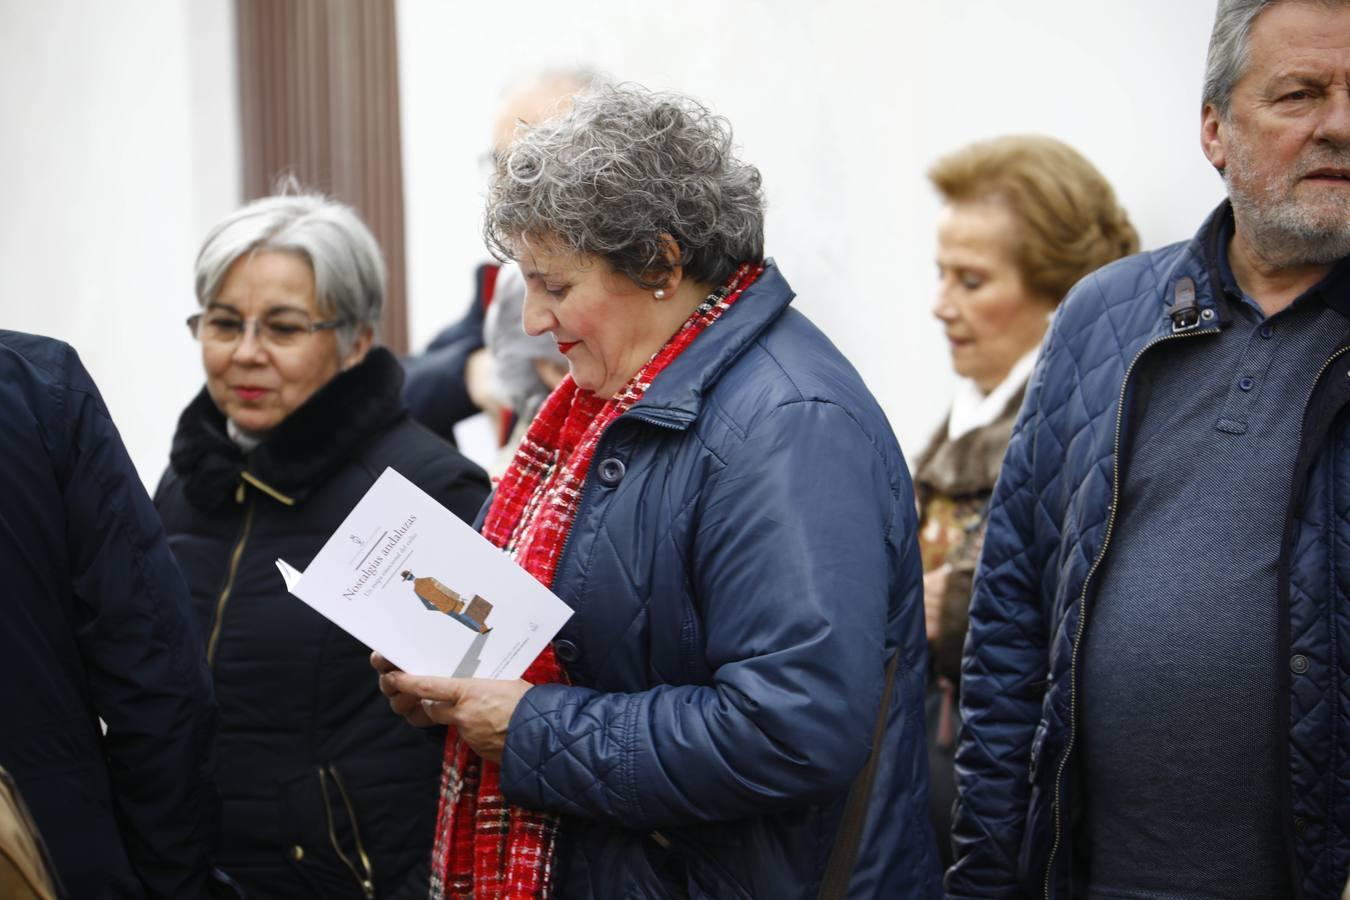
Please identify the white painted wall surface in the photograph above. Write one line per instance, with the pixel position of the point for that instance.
(843, 106)
(119, 147)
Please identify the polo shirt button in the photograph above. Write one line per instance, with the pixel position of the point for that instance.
(565, 650)
(1246, 383)
(1267, 331)
(611, 471)
(1299, 663)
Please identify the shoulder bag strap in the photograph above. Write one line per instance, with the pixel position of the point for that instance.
(834, 886)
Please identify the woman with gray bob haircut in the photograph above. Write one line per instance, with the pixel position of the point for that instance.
(348, 268)
(723, 504)
(323, 794)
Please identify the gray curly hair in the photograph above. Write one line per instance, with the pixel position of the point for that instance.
(624, 167)
(1229, 48)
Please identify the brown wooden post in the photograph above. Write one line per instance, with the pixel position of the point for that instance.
(318, 82)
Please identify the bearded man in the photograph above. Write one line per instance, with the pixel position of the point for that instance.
(1155, 683)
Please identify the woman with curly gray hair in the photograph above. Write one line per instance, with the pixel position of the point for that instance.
(735, 709)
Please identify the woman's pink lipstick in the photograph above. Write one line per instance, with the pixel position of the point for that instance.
(249, 393)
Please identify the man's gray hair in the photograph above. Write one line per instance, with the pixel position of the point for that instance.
(1229, 47)
(349, 275)
(622, 168)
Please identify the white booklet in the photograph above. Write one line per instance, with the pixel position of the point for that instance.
(404, 576)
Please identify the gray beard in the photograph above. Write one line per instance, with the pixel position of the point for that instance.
(1282, 232)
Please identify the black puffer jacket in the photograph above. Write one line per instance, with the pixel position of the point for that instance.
(327, 793)
(96, 626)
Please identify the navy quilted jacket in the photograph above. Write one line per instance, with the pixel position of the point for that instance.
(742, 566)
(1049, 528)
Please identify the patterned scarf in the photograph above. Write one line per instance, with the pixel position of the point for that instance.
(486, 849)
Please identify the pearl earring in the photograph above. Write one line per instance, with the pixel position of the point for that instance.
(660, 294)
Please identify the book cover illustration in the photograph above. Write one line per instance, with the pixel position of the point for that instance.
(436, 596)
(406, 577)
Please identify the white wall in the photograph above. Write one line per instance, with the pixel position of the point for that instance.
(842, 105)
(119, 143)
(120, 147)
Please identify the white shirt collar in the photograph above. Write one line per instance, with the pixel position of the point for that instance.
(247, 441)
(972, 409)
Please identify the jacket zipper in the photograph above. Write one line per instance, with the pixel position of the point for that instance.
(658, 422)
(266, 488)
(1087, 583)
(1312, 390)
(235, 556)
(1291, 845)
(368, 882)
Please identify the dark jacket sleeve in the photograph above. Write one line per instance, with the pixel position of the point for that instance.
(1002, 677)
(434, 387)
(146, 679)
(414, 884)
(449, 477)
(468, 329)
(792, 565)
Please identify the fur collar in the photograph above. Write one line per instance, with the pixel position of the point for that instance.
(300, 453)
(970, 464)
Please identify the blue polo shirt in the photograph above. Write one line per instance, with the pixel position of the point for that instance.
(1179, 670)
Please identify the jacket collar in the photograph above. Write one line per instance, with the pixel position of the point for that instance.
(1194, 273)
(676, 397)
(1213, 253)
(300, 453)
(968, 464)
(1210, 248)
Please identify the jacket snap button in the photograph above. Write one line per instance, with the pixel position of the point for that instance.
(1246, 384)
(565, 650)
(1299, 663)
(297, 853)
(1300, 824)
(611, 471)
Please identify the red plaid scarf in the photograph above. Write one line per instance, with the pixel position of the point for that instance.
(486, 849)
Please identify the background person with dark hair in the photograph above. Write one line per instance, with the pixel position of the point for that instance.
(96, 626)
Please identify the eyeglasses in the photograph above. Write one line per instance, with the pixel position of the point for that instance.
(277, 330)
